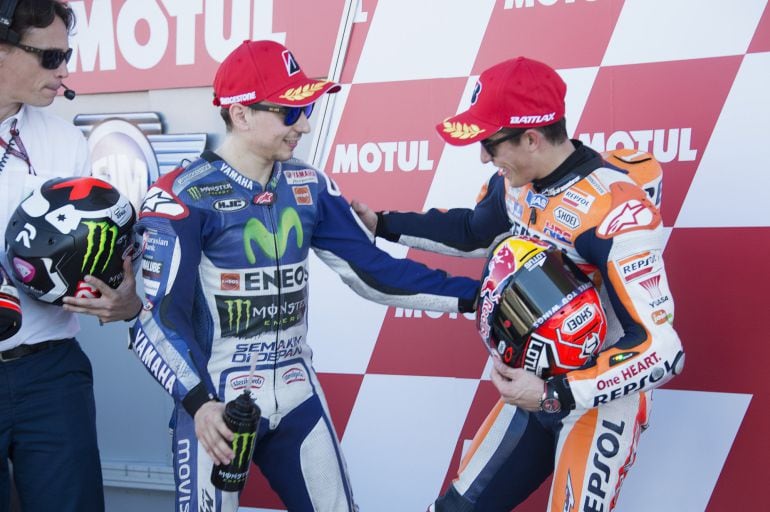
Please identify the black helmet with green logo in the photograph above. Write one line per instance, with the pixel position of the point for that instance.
(66, 229)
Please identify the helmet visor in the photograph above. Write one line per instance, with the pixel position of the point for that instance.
(544, 285)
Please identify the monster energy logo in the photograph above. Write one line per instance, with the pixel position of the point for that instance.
(272, 244)
(243, 442)
(237, 310)
(108, 235)
(194, 192)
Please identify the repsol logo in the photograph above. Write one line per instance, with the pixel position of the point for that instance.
(666, 144)
(603, 465)
(648, 371)
(386, 156)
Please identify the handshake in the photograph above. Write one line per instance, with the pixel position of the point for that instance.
(10, 308)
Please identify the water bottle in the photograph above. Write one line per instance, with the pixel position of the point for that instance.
(241, 417)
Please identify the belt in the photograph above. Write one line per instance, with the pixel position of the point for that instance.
(25, 350)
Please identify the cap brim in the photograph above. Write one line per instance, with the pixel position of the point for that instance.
(303, 92)
(464, 129)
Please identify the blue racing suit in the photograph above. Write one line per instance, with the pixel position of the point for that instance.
(225, 272)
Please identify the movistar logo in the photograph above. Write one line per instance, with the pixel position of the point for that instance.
(243, 442)
(107, 234)
(238, 310)
(270, 242)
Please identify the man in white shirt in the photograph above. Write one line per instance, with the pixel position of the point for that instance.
(47, 415)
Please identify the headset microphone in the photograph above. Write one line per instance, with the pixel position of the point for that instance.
(68, 93)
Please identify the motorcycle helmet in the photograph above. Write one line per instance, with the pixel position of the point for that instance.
(537, 310)
(66, 229)
(10, 307)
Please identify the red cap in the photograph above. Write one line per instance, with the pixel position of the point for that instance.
(517, 93)
(266, 71)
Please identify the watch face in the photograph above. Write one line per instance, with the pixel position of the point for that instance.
(551, 405)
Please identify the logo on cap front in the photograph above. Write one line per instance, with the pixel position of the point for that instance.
(462, 131)
(290, 62)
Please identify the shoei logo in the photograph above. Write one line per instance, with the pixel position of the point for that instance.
(100, 241)
(273, 245)
(578, 319)
(238, 315)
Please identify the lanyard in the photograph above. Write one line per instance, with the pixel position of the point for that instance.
(21, 152)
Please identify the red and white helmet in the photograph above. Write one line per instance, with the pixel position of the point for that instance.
(537, 310)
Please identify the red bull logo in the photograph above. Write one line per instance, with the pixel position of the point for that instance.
(500, 267)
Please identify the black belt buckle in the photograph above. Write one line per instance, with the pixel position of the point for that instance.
(20, 351)
(5, 358)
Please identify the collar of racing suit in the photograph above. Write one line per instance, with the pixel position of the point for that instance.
(579, 164)
(211, 157)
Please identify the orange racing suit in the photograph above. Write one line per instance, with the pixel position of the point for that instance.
(604, 215)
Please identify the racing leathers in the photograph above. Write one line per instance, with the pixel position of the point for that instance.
(225, 272)
(605, 217)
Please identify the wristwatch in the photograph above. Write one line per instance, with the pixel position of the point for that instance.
(550, 402)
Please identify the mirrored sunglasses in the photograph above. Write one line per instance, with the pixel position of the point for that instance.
(291, 114)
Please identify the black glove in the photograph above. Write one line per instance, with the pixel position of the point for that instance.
(10, 308)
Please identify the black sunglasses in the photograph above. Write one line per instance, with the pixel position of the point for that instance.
(490, 144)
(291, 114)
(50, 58)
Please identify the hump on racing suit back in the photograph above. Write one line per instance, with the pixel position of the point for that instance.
(642, 167)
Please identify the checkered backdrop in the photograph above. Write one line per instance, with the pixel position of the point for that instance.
(684, 79)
